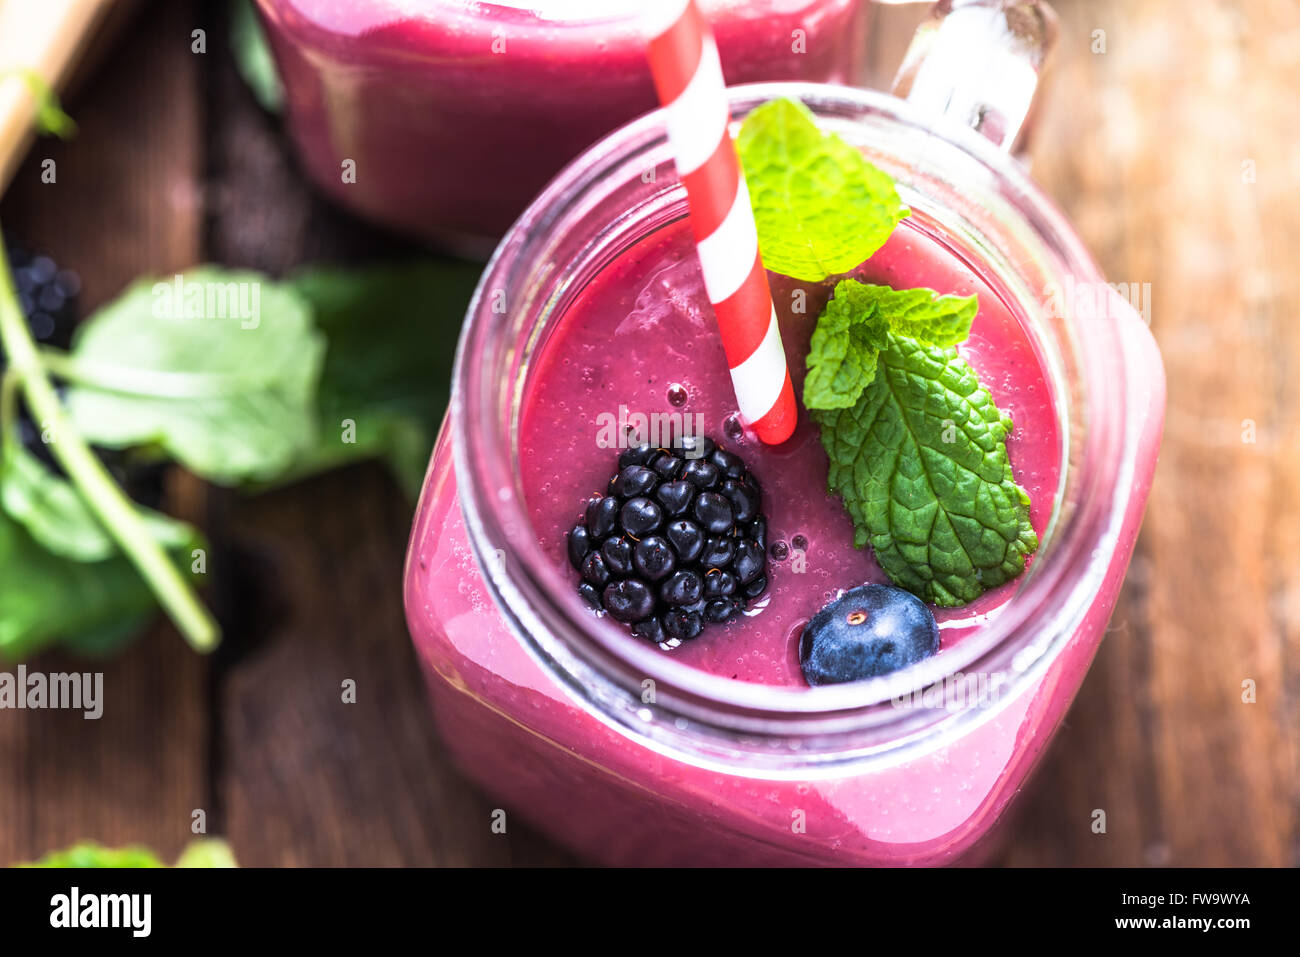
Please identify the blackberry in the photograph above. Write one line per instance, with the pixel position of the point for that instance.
(46, 294)
(677, 542)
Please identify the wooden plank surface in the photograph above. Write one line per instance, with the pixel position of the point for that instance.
(1150, 146)
(1143, 145)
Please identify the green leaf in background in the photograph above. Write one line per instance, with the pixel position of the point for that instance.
(253, 56)
(90, 854)
(217, 368)
(921, 463)
(50, 118)
(820, 207)
(392, 334)
(55, 514)
(45, 597)
(207, 852)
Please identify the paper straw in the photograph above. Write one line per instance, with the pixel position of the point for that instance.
(688, 77)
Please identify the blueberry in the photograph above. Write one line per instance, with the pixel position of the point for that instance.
(713, 513)
(683, 588)
(675, 497)
(749, 562)
(718, 584)
(718, 553)
(744, 500)
(633, 481)
(595, 570)
(637, 455)
(651, 629)
(629, 600)
(579, 544)
(639, 516)
(653, 558)
(602, 515)
(872, 630)
(682, 625)
(701, 474)
(618, 555)
(756, 587)
(687, 540)
(758, 532)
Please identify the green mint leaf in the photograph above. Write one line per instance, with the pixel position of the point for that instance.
(842, 357)
(853, 328)
(392, 386)
(921, 314)
(218, 368)
(921, 463)
(253, 57)
(56, 516)
(92, 607)
(820, 207)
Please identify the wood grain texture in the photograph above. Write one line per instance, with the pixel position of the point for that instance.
(1175, 152)
(1143, 145)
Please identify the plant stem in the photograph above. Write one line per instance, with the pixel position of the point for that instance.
(106, 500)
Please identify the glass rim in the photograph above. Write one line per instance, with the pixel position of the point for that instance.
(1050, 602)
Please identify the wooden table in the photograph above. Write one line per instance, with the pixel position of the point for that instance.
(1144, 145)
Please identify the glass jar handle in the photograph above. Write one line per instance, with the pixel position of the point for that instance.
(979, 62)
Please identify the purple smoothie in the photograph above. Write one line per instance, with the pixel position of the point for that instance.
(643, 328)
(640, 326)
(456, 113)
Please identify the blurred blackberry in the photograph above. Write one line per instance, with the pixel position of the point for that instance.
(46, 294)
(676, 543)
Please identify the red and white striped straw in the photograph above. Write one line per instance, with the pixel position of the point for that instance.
(688, 76)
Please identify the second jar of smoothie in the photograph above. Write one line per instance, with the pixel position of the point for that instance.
(443, 118)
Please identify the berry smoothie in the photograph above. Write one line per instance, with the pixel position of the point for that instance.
(455, 113)
(640, 338)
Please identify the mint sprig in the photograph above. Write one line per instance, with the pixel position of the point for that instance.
(917, 446)
(921, 463)
(820, 207)
(855, 325)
